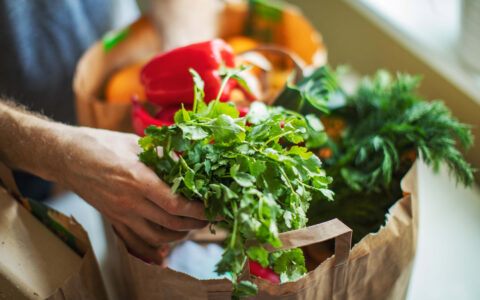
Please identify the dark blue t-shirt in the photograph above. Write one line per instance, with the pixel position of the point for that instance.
(40, 44)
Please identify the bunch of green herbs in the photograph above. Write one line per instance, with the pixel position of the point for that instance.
(250, 171)
(386, 125)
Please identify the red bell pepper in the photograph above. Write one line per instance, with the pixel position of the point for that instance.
(167, 78)
(243, 110)
(168, 82)
(142, 119)
(167, 114)
(266, 273)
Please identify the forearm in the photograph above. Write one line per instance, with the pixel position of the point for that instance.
(32, 143)
(102, 167)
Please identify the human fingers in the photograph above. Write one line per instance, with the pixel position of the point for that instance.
(153, 234)
(160, 193)
(157, 215)
(136, 244)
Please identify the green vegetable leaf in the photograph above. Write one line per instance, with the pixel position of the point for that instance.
(222, 108)
(290, 264)
(247, 288)
(300, 151)
(375, 136)
(250, 171)
(258, 113)
(258, 254)
(311, 93)
(198, 89)
(243, 179)
(224, 128)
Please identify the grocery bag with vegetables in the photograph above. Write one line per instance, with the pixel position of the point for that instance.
(256, 171)
(250, 171)
(374, 137)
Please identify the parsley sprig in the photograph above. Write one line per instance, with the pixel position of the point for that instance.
(251, 171)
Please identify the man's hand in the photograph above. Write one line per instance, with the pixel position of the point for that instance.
(103, 168)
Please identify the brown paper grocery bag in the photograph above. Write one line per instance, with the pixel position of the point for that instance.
(381, 264)
(145, 281)
(141, 40)
(378, 267)
(128, 45)
(46, 256)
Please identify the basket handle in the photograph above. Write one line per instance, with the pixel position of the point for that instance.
(298, 63)
(299, 66)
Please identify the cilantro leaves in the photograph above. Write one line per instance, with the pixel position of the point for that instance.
(252, 171)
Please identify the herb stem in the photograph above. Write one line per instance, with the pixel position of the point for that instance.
(277, 137)
(169, 143)
(198, 124)
(184, 164)
(287, 180)
(234, 231)
(260, 208)
(222, 87)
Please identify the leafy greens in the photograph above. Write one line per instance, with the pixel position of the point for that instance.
(251, 171)
(373, 140)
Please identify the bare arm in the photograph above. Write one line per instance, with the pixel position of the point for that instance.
(103, 168)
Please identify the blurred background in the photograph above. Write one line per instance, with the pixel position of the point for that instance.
(436, 38)
(439, 39)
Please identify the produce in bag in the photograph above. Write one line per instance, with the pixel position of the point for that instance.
(140, 40)
(124, 84)
(242, 173)
(374, 136)
(168, 83)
